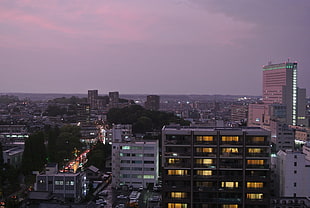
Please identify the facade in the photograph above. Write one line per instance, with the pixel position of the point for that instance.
(92, 98)
(68, 186)
(293, 170)
(113, 99)
(13, 156)
(134, 162)
(215, 167)
(152, 102)
(239, 113)
(280, 86)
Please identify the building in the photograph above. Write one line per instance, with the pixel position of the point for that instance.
(67, 186)
(292, 173)
(113, 99)
(280, 87)
(92, 98)
(239, 113)
(152, 102)
(215, 167)
(135, 163)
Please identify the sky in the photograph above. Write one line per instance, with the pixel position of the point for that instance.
(150, 46)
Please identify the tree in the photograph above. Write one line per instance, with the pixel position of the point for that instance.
(34, 156)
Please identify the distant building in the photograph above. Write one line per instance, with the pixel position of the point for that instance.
(215, 167)
(13, 156)
(92, 98)
(239, 113)
(135, 163)
(152, 102)
(67, 186)
(113, 99)
(280, 87)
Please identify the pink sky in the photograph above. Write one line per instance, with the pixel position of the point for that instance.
(148, 46)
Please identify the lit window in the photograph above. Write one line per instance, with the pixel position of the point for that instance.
(204, 172)
(204, 149)
(59, 182)
(254, 196)
(255, 162)
(230, 138)
(179, 195)
(173, 160)
(125, 147)
(230, 150)
(254, 185)
(148, 176)
(229, 184)
(178, 172)
(230, 206)
(254, 150)
(204, 138)
(258, 139)
(177, 205)
(204, 161)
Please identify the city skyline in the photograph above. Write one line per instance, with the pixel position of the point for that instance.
(150, 47)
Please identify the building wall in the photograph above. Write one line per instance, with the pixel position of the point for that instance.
(208, 167)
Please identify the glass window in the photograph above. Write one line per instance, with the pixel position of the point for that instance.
(204, 138)
(179, 195)
(254, 184)
(204, 149)
(254, 196)
(230, 138)
(173, 160)
(177, 205)
(178, 172)
(230, 150)
(255, 150)
(230, 206)
(204, 172)
(255, 162)
(229, 184)
(204, 161)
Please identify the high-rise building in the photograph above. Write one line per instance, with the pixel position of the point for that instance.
(152, 102)
(113, 99)
(282, 99)
(280, 86)
(215, 167)
(92, 98)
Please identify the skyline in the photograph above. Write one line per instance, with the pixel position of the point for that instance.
(150, 47)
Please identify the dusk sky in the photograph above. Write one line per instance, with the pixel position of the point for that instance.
(150, 46)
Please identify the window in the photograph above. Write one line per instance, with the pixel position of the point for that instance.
(230, 206)
(173, 160)
(178, 195)
(177, 205)
(229, 184)
(255, 150)
(178, 172)
(204, 172)
(254, 184)
(148, 176)
(125, 147)
(255, 162)
(230, 150)
(255, 196)
(230, 138)
(70, 183)
(295, 163)
(258, 139)
(204, 138)
(204, 161)
(204, 149)
(59, 183)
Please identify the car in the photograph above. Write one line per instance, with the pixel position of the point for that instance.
(122, 196)
(140, 188)
(104, 193)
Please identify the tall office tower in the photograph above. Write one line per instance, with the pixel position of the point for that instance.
(280, 86)
(92, 98)
(152, 102)
(215, 167)
(113, 99)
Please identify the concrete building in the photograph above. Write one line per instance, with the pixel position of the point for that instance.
(239, 113)
(113, 99)
(67, 186)
(92, 98)
(215, 167)
(13, 156)
(152, 102)
(292, 173)
(135, 163)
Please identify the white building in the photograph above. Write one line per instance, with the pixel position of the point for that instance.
(134, 162)
(68, 186)
(292, 173)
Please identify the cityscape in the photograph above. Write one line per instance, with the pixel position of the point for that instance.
(154, 104)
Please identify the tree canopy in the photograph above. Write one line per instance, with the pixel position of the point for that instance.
(142, 120)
